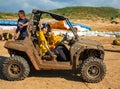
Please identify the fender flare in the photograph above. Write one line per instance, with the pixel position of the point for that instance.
(23, 46)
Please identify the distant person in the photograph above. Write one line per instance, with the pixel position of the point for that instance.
(7, 36)
(0, 37)
(21, 26)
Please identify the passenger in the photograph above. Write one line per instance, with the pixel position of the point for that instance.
(21, 26)
(42, 41)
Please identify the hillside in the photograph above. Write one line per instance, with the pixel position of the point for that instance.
(87, 13)
(8, 15)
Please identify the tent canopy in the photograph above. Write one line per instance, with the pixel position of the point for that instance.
(8, 22)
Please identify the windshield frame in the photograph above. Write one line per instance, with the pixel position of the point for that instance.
(56, 17)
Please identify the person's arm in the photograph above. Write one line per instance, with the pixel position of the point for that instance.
(26, 24)
(21, 25)
(16, 31)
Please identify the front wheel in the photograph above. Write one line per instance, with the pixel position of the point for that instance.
(15, 68)
(93, 70)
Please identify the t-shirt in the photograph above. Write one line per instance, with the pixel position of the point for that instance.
(23, 30)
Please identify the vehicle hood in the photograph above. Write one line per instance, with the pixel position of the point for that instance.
(90, 43)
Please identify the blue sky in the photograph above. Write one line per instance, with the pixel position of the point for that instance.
(28, 5)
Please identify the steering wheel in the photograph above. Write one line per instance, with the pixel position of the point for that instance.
(66, 36)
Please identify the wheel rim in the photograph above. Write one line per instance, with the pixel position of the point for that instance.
(15, 69)
(93, 71)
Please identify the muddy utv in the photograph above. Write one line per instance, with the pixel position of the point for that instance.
(84, 56)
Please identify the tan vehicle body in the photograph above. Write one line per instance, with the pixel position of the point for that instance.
(84, 56)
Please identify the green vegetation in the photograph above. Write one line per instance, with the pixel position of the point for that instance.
(78, 12)
(10, 15)
(87, 12)
(115, 19)
(1, 17)
(7, 15)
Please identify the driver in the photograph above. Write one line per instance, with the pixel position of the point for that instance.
(53, 41)
(51, 38)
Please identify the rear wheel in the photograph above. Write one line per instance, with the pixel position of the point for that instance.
(93, 70)
(15, 68)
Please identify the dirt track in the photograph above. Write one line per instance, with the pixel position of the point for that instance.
(65, 79)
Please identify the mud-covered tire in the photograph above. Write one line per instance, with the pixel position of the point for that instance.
(93, 70)
(15, 68)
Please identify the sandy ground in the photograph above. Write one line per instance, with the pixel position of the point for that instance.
(99, 25)
(65, 79)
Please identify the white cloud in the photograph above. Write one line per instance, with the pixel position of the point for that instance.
(28, 5)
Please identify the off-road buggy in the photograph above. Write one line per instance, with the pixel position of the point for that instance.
(84, 56)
